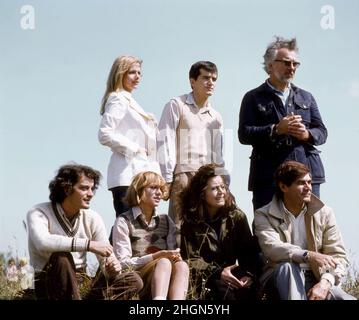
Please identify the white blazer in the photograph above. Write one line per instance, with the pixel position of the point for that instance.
(125, 128)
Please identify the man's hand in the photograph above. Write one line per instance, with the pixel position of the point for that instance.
(319, 291)
(104, 249)
(112, 266)
(298, 130)
(321, 260)
(283, 127)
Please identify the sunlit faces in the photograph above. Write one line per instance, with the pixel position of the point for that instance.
(280, 69)
(299, 191)
(152, 195)
(132, 77)
(205, 83)
(215, 193)
(81, 194)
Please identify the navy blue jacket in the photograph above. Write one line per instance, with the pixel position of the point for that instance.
(261, 108)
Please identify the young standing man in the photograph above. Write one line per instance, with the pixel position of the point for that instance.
(191, 134)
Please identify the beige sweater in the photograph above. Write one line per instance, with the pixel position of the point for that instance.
(189, 137)
(48, 234)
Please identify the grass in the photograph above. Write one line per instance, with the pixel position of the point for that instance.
(197, 291)
(351, 282)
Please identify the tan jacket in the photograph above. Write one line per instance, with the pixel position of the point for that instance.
(273, 229)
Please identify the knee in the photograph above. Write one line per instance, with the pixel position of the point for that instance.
(181, 267)
(129, 280)
(136, 281)
(164, 264)
(62, 260)
(287, 267)
(286, 271)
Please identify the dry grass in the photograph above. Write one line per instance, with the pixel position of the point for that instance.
(196, 291)
(351, 282)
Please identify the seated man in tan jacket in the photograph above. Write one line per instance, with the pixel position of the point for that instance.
(301, 243)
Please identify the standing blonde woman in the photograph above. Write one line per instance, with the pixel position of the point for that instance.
(127, 129)
(145, 241)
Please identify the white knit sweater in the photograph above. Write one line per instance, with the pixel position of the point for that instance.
(47, 234)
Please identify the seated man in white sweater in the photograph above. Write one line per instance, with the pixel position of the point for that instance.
(61, 232)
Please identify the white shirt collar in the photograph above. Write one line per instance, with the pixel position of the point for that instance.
(190, 101)
(286, 90)
(136, 211)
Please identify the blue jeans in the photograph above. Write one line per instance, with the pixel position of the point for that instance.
(289, 282)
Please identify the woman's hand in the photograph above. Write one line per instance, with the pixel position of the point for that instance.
(232, 281)
(173, 255)
(246, 281)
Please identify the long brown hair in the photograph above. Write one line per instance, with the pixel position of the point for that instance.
(192, 197)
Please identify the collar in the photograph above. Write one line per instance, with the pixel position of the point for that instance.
(276, 209)
(70, 228)
(266, 87)
(134, 105)
(286, 90)
(190, 101)
(125, 94)
(136, 211)
(63, 214)
(302, 212)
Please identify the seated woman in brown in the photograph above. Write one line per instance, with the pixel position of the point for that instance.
(216, 239)
(145, 240)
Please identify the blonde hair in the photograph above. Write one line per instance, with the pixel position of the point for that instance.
(139, 182)
(114, 81)
(23, 261)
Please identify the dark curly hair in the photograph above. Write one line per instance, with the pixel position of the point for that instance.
(192, 197)
(67, 176)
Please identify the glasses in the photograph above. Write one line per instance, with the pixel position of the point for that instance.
(289, 63)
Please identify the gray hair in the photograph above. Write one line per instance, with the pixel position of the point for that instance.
(273, 47)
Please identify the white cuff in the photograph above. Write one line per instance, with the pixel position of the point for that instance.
(329, 277)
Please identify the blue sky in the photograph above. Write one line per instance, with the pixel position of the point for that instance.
(52, 79)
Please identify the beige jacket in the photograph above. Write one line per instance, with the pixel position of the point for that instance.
(273, 229)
